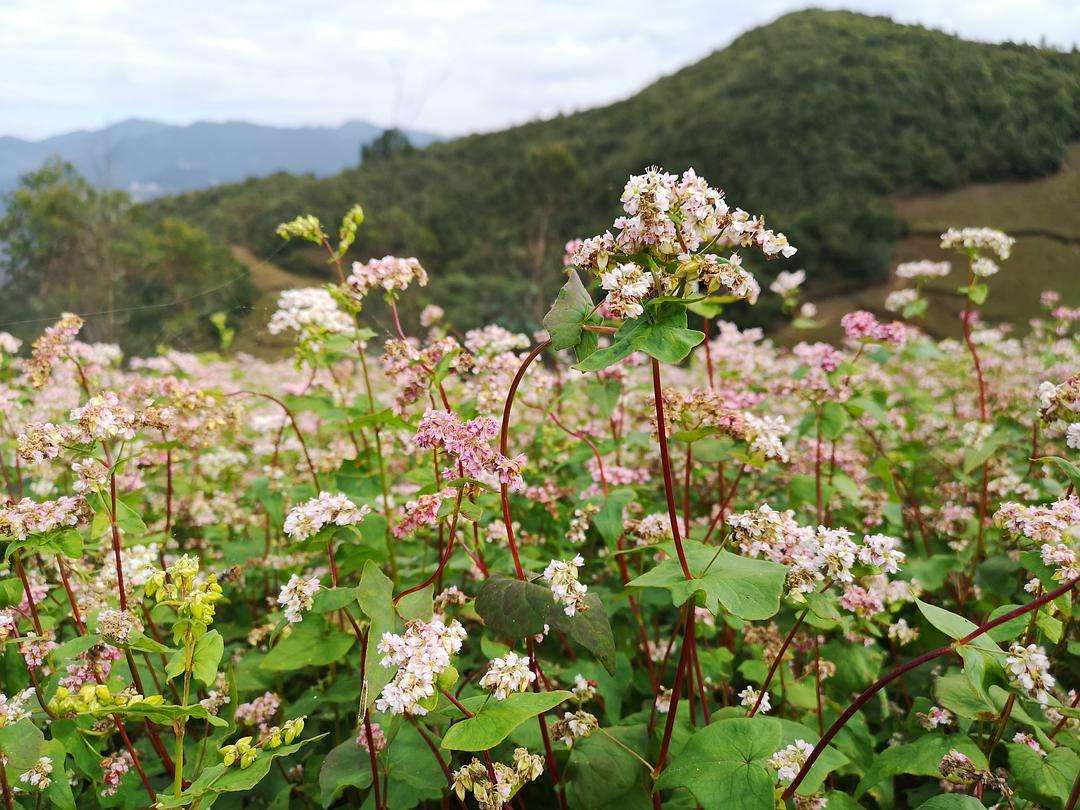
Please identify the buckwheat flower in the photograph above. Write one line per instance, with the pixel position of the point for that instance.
(309, 518)
(573, 726)
(984, 267)
(378, 738)
(565, 587)
(1072, 436)
(35, 649)
(808, 310)
(420, 655)
(787, 282)
(38, 775)
(1062, 558)
(837, 551)
(508, 674)
(41, 441)
(431, 315)
(12, 708)
(312, 312)
(389, 273)
(470, 442)
(956, 764)
(978, 239)
(899, 299)
(788, 761)
(766, 435)
(217, 696)
(450, 596)
(104, 418)
(861, 602)
(923, 269)
(903, 633)
(113, 768)
(258, 712)
(727, 274)
(584, 690)
(749, 696)
(663, 700)
(935, 717)
(297, 597)
(881, 551)
(424, 511)
(8, 623)
(1020, 738)
(116, 626)
(815, 802)
(50, 347)
(579, 523)
(1030, 669)
(627, 284)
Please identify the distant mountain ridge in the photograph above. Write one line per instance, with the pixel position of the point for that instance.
(150, 158)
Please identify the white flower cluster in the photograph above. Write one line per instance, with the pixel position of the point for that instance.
(897, 300)
(766, 435)
(38, 775)
(627, 285)
(312, 312)
(1030, 668)
(562, 575)
(389, 273)
(573, 726)
(420, 655)
(978, 239)
(508, 674)
(788, 761)
(327, 509)
(749, 696)
(787, 282)
(116, 626)
(474, 778)
(29, 517)
(297, 596)
(11, 708)
(923, 269)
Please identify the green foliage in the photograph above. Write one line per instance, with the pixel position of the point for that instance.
(141, 281)
(815, 118)
(494, 720)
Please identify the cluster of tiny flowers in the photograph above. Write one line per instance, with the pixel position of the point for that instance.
(573, 726)
(978, 239)
(584, 690)
(38, 776)
(959, 768)
(47, 349)
(41, 441)
(1043, 524)
(474, 778)
(902, 633)
(579, 523)
(258, 712)
(423, 511)
(1020, 738)
(787, 283)
(11, 708)
(562, 575)
(1030, 668)
(35, 649)
(923, 269)
(897, 300)
(881, 551)
(934, 717)
(297, 596)
(29, 517)
(748, 697)
(116, 626)
(104, 418)
(451, 596)
(627, 285)
(309, 518)
(508, 674)
(863, 325)
(113, 768)
(788, 761)
(312, 312)
(388, 273)
(420, 655)
(470, 443)
(378, 738)
(91, 665)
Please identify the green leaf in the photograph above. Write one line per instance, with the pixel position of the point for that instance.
(833, 420)
(952, 801)
(572, 307)
(747, 588)
(1067, 467)
(622, 346)
(601, 772)
(668, 339)
(919, 758)
(954, 626)
(1046, 780)
(517, 609)
(376, 596)
(327, 600)
(417, 605)
(494, 722)
(976, 456)
(725, 764)
(347, 765)
(311, 643)
(208, 651)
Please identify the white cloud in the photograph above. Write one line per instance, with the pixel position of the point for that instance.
(450, 67)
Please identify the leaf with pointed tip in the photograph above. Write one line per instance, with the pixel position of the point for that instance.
(496, 719)
(571, 309)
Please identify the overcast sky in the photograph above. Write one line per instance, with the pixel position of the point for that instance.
(447, 66)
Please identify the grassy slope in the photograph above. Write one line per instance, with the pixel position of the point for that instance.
(816, 119)
(1043, 215)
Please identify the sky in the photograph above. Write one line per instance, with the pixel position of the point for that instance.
(444, 66)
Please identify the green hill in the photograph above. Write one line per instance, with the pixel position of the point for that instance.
(819, 119)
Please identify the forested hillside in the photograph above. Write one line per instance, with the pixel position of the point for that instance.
(816, 118)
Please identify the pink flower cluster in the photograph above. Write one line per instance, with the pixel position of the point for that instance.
(424, 511)
(92, 666)
(259, 712)
(113, 768)
(470, 443)
(863, 325)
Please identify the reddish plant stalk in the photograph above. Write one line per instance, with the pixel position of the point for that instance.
(592, 446)
(445, 556)
(903, 669)
(665, 461)
(680, 674)
(776, 662)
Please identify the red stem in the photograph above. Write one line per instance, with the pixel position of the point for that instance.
(665, 461)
